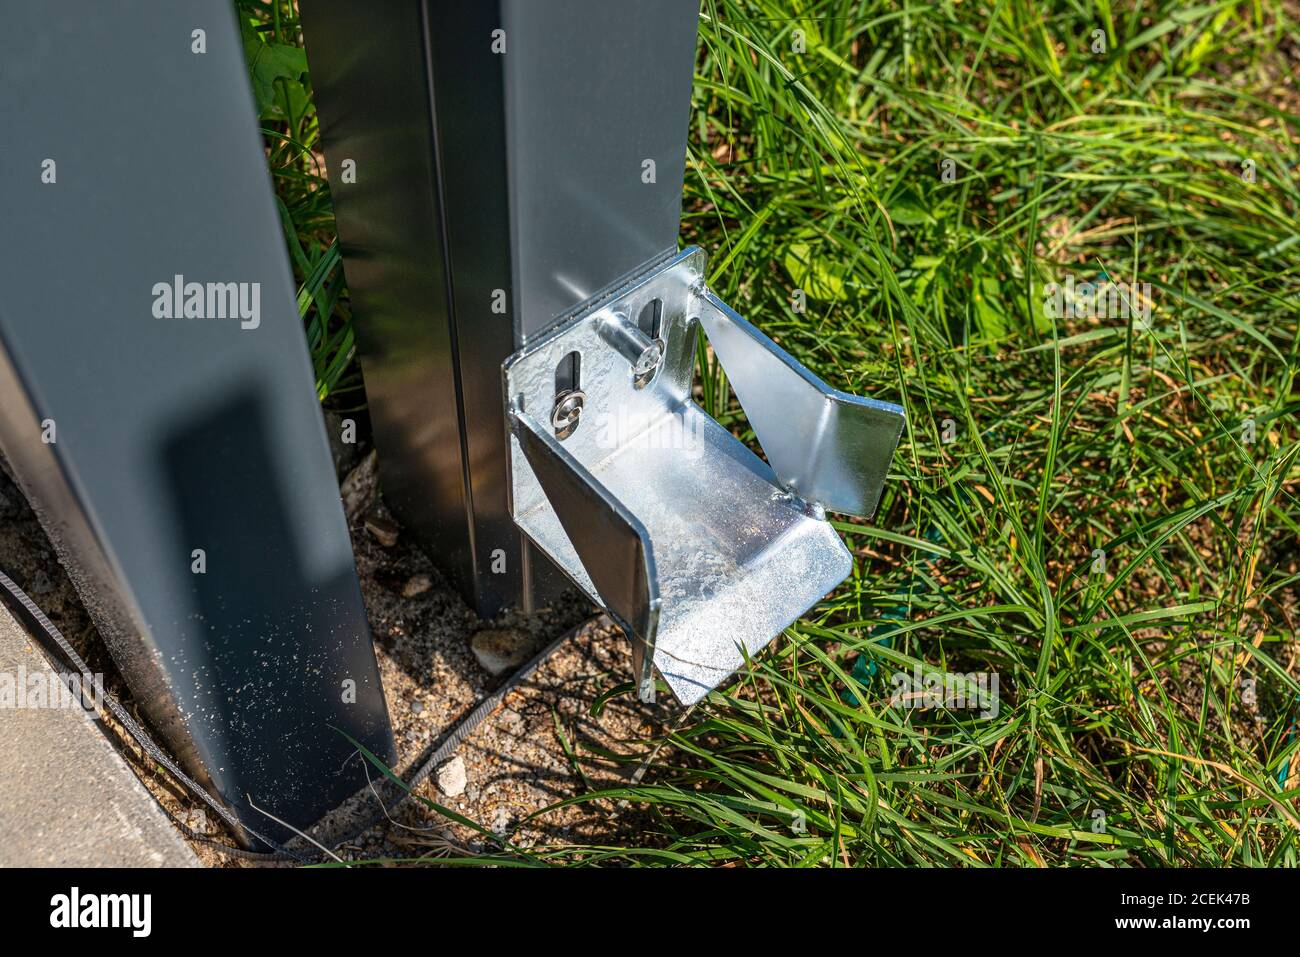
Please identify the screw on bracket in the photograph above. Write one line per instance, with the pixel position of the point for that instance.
(567, 412)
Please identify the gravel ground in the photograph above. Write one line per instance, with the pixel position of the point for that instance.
(541, 746)
(516, 763)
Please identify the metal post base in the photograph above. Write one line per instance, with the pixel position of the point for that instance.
(694, 545)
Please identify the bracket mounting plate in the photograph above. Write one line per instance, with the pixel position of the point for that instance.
(695, 546)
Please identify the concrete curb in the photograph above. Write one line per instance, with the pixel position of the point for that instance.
(67, 798)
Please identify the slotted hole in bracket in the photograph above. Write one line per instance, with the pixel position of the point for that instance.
(651, 318)
(568, 373)
(650, 322)
(569, 397)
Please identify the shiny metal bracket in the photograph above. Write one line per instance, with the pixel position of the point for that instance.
(694, 546)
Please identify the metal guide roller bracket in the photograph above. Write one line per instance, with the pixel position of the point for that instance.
(695, 546)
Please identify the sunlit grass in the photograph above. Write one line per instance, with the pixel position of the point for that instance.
(1146, 712)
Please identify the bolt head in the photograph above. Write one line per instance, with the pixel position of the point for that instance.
(567, 412)
(645, 367)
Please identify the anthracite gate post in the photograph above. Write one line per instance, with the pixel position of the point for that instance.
(157, 402)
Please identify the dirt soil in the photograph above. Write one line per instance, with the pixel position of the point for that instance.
(541, 746)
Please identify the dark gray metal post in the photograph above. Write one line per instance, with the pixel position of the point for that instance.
(494, 164)
(157, 403)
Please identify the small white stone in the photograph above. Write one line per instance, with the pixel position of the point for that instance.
(499, 650)
(416, 585)
(451, 777)
(359, 488)
(501, 822)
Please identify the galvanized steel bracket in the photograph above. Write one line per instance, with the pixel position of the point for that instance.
(699, 550)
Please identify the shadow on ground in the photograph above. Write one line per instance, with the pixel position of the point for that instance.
(541, 746)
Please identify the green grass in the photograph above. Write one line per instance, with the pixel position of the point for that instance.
(1157, 697)
(282, 91)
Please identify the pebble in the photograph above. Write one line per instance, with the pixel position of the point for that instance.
(384, 530)
(499, 650)
(512, 722)
(501, 821)
(359, 488)
(452, 778)
(416, 585)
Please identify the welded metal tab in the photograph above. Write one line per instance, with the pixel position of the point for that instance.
(612, 544)
(829, 447)
(734, 556)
